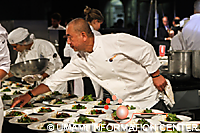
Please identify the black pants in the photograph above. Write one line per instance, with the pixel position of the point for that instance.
(161, 106)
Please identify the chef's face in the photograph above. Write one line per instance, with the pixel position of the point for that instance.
(55, 23)
(18, 48)
(74, 39)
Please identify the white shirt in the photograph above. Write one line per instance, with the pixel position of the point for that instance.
(60, 27)
(4, 57)
(191, 32)
(127, 76)
(177, 42)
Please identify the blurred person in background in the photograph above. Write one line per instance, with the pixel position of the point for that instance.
(4, 65)
(164, 30)
(55, 21)
(191, 31)
(176, 26)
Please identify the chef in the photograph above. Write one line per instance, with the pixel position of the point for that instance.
(94, 18)
(124, 65)
(4, 65)
(29, 49)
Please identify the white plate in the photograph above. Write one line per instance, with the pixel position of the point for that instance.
(73, 119)
(38, 125)
(56, 105)
(134, 121)
(162, 119)
(80, 98)
(69, 107)
(108, 117)
(40, 118)
(86, 112)
(26, 111)
(52, 115)
(36, 109)
(146, 115)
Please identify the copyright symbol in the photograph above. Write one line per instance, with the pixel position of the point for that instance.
(50, 127)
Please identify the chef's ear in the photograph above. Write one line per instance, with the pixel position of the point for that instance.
(84, 36)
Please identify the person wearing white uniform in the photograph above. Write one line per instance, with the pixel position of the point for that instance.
(29, 49)
(4, 65)
(55, 21)
(94, 18)
(124, 65)
(191, 31)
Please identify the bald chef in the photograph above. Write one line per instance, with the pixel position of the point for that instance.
(124, 65)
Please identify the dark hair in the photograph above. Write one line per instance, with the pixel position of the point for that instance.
(56, 16)
(92, 14)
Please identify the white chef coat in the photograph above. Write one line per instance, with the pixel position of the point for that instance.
(43, 49)
(191, 32)
(4, 63)
(60, 27)
(78, 83)
(177, 42)
(127, 76)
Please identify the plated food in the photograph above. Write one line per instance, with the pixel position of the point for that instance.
(75, 107)
(147, 112)
(44, 110)
(14, 113)
(60, 115)
(171, 118)
(92, 112)
(27, 119)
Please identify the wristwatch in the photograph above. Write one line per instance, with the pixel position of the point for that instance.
(30, 93)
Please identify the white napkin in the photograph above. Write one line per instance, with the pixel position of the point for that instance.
(169, 92)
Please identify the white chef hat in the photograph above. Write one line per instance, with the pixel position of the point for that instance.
(19, 36)
(183, 22)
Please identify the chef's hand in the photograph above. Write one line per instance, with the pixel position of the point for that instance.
(23, 99)
(160, 83)
(32, 78)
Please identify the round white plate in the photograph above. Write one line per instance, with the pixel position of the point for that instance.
(52, 115)
(38, 125)
(40, 118)
(25, 111)
(36, 109)
(69, 107)
(162, 119)
(146, 115)
(86, 112)
(56, 105)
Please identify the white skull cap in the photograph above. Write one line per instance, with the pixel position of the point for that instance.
(17, 35)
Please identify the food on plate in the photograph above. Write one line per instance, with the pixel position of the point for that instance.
(143, 121)
(147, 111)
(27, 119)
(103, 102)
(130, 107)
(83, 120)
(56, 93)
(87, 98)
(16, 92)
(16, 85)
(6, 97)
(29, 104)
(6, 89)
(97, 111)
(172, 117)
(78, 106)
(114, 114)
(57, 101)
(45, 110)
(14, 113)
(62, 115)
(43, 98)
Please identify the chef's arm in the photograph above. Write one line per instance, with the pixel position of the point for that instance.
(158, 80)
(42, 88)
(44, 75)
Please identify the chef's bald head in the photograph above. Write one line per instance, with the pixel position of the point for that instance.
(197, 6)
(80, 25)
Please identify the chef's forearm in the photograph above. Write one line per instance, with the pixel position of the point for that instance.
(42, 88)
(44, 75)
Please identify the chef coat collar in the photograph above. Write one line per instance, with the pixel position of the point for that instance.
(95, 44)
(33, 45)
(196, 15)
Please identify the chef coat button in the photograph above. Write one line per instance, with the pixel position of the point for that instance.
(112, 70)
(99, 76)
(130, 97)
(124, 88)
(118, 78)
